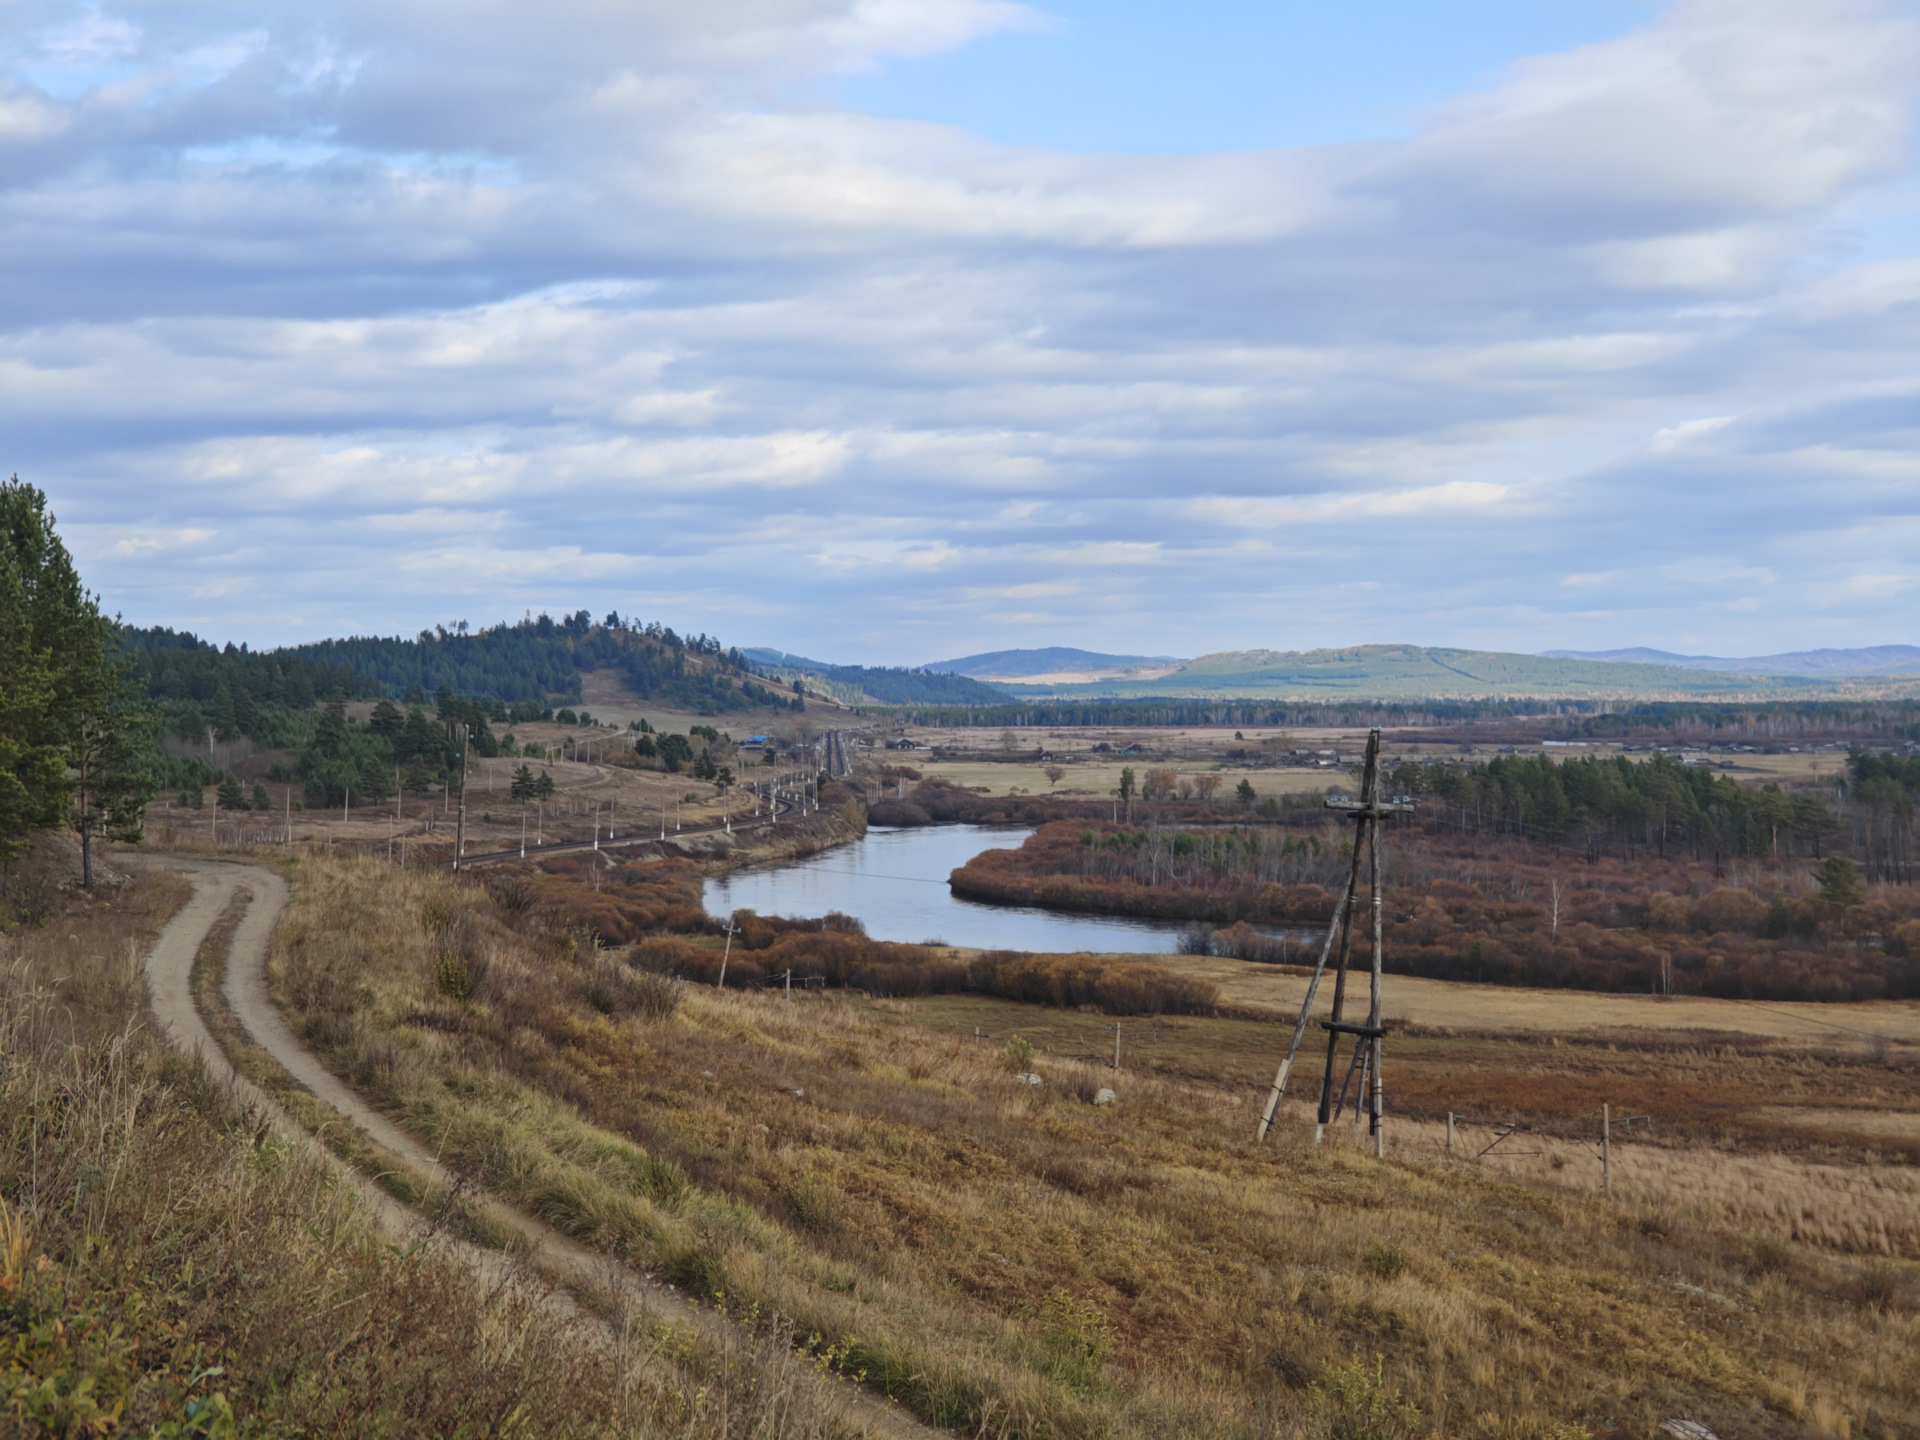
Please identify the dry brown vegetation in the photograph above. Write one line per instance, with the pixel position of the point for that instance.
(169, 1266)
(1010, 1259)
(1490, 908)
(647, 897)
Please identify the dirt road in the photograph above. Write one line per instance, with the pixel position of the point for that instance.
(565, 1264)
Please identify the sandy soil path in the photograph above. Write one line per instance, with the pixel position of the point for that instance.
(554, 1256)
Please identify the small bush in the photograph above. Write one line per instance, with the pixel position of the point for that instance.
(437, 916)
(1359, 1404)
(698, 1271)
(451, 976)
(810, 1202)
(655, 997)
(1386, 1261)
(1195, 940)
(1019, 1054)
(1075, 1336)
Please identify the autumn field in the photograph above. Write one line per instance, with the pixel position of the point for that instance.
(1011, 1258)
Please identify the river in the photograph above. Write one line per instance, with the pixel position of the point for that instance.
(895, 881)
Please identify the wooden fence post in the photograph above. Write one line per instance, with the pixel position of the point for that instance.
(1606, 1151)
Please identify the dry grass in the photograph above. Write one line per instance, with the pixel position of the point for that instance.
(836, 1161)
(1459, 1004)
(169, 1266)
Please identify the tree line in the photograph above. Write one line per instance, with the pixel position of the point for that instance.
(1757, 722)
(1661, 806)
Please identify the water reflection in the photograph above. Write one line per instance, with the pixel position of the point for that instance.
(895, 881)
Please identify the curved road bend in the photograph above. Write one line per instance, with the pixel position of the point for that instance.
(558, 1257)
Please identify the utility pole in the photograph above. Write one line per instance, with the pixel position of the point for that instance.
(523, 834)
(1606, 1151)
(289, 815)
(460, 825)
(1369, 812)
(721, 983)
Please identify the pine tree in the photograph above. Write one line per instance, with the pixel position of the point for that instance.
(261, 799)
(524, 786)
(80, 701)
(232, 797)
(32, 775)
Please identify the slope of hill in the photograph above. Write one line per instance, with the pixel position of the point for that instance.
(1055, 662)
(1813, 664)
(535, 662)
(1394, 672)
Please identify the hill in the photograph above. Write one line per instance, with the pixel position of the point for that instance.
(531, 665)
(1813, 664)
(1054, 661)
(877, 684)
(1400, 672)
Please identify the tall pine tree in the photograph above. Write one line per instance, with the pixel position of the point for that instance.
(73, 705)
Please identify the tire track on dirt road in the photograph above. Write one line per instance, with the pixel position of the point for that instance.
(568, 1266)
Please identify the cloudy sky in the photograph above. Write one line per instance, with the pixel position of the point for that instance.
(887, 330)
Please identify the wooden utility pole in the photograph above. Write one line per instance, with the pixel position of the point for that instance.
(1368, 813)
(1606, 1151)
(721, 983)
(460, 824)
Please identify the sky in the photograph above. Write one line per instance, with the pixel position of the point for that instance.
(888, 330)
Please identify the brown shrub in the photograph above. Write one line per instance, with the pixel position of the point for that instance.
(1728, 910)
(1115, 987)
(1666, 912)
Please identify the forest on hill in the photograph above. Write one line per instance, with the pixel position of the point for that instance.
(515, 671)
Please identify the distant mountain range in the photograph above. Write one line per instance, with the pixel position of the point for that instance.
(1414, 672)
(1814, 664)
(1362, 672)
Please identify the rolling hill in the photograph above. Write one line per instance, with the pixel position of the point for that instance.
(1812, 664)
(1056, 664)
(1406, 672)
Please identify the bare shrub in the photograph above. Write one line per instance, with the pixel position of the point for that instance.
(1195, 940)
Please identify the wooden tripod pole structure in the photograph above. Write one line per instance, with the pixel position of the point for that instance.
(1367, 813)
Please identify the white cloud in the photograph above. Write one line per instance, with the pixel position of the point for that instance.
(155, 541)
(1453, 495)
(1670, 438)
(608, 297)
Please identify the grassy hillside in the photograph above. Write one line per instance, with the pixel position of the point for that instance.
(170, 1266)
(1406, 672)
(1011, 1259)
